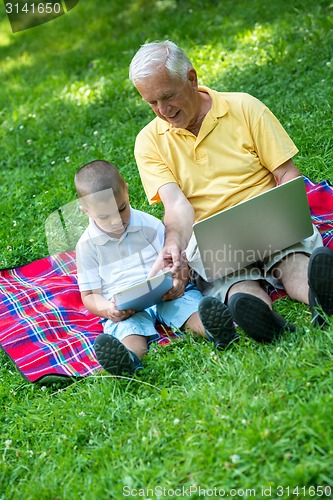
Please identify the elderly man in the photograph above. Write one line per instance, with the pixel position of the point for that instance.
(206, 151)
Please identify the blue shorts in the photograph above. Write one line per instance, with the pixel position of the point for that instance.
(171, 313)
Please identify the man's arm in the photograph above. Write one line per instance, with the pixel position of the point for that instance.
(178, 220)
(286, 172)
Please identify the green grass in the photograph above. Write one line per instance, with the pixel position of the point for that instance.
(251, 417)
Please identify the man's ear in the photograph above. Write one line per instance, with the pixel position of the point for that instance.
(192, 77)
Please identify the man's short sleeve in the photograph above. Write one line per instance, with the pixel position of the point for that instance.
(153, 171)
(273, 144)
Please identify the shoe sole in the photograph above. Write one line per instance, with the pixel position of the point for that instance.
(320, 279)
(113, 356)
(255, 317)
(217, 321)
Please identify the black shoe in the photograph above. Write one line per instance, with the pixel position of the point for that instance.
(217, 321)
(256, 319)
(320, 279)
(114, 357)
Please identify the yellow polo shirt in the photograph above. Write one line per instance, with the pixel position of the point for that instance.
(239, 145)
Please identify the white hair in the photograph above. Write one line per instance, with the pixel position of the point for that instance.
(153, 56)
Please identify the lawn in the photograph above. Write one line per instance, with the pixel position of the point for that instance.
(253, 421)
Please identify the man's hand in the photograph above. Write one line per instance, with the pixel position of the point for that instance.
(180, 280)
(169, 259)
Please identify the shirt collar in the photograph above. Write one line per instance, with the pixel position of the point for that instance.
(219, 108)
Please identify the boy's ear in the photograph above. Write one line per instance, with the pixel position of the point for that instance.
(84, 210)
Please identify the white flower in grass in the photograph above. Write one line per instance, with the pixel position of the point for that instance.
(21, 127)
(30, 453)
(95, 132)
(8, 443)
(176, 421)
(29, 141)
(67, 159)
(82, 414)
(14, 223)
(85, 145)
(235, 458)
(52, 162)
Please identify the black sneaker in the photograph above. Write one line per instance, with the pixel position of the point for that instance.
(114, 357)
(217, 321)
(255, 317)
(320, 279)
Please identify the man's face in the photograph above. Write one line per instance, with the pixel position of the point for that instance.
(172, 99)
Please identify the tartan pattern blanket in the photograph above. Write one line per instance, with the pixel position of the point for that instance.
(44, 327)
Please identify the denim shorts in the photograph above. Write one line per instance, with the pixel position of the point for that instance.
(171, 313)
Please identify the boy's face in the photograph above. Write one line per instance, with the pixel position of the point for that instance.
(111, 215)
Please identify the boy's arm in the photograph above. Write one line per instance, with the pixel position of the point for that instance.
(98, 305)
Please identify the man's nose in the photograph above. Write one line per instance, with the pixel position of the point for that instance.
(163, 108)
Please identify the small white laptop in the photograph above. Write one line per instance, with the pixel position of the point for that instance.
(145, 293)
(252, 230)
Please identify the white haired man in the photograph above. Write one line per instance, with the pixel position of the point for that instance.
(206, 151)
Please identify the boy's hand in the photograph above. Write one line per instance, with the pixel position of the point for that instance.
(176, 291)
(115, 315)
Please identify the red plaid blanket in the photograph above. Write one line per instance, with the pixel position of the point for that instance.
(320, 197)
(44, 327)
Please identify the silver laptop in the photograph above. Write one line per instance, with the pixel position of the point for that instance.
(254, 229)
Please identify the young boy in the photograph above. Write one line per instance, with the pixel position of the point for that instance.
(118, 249)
